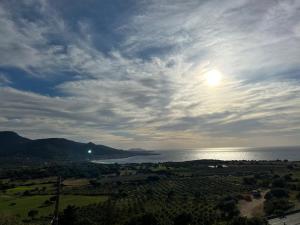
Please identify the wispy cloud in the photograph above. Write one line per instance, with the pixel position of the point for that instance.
(4, 80)
(148, 88)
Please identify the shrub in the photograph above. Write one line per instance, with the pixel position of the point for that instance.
(251, 221)
(52, 198)
(153, 178)
(277, 206)
(279, 182)
(69, 216)
(33, 213)
(26, 193)
(228, 206)
(183, 219)
(249, 180)
(146, 219)
(288, 177)
(277, 193)
(298, 196)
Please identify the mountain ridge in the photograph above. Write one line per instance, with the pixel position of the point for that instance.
(12, 145)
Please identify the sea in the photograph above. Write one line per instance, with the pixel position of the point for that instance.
(236, 153)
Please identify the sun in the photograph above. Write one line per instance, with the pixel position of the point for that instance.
(213, 78)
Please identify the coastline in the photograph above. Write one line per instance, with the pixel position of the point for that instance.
(224, 154)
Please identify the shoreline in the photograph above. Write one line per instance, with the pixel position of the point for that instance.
(109, 161)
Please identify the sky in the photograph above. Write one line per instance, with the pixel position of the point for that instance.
(134, 74)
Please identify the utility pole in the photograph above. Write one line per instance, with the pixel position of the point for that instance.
(56, 209)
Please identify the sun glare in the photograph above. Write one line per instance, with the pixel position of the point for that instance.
(213, 78)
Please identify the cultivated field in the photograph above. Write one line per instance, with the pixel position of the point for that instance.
(199, 192)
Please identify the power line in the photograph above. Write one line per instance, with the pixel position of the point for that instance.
(56, 209)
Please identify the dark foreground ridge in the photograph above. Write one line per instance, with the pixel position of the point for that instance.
(16, 147)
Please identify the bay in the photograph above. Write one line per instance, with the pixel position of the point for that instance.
(236, 153)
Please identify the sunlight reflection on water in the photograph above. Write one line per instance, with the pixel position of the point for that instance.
(274, 153)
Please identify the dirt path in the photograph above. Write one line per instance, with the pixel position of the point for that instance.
(253, 208)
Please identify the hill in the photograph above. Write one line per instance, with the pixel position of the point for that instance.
(14, 146)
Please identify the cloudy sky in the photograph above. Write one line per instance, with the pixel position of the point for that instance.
(134, 73)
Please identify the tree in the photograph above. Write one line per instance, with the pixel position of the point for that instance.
(183, 219)
(228, 206)
(146, 219)
(26, 193)
(171, 194)
(277, 206)
(52, 198)
(33, 213)
(47, 202)
(153, 178)
(279, 183)
(298, 196)
(256, 221)
(149, 193)
(245, 221)
(238, 221)
(277, 193)
(249, 180)
(69, 215)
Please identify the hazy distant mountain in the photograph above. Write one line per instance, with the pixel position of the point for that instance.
(13, 145)
(137, 149)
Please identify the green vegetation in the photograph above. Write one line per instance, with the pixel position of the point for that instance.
(19, 205)
(197, 192)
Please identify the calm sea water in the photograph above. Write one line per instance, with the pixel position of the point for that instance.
(270, 153)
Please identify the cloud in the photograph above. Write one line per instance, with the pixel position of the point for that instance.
(25, 43)
(147, 88)
(4, 80)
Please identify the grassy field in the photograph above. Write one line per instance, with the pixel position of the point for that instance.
(20, 189)
(14, 203)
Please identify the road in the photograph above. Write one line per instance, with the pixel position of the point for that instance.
(293, 219)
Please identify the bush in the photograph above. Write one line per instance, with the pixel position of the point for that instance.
(171, 194)
(249, 180)
(52, 198)
(69, 216)
(94, 183)
(277, 193)
(26, 193)
(251, 221)
(33, 213)
(146, 219)
(277, 206)
(279, 182)
(298, 196)
(229, 206)
(47, 203)
(264, 183)
(5, 186)
(153, 178)
(183, 219)
(288, 177)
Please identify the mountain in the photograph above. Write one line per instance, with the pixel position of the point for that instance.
(137, 149)
(14, 146)
(9, 139)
